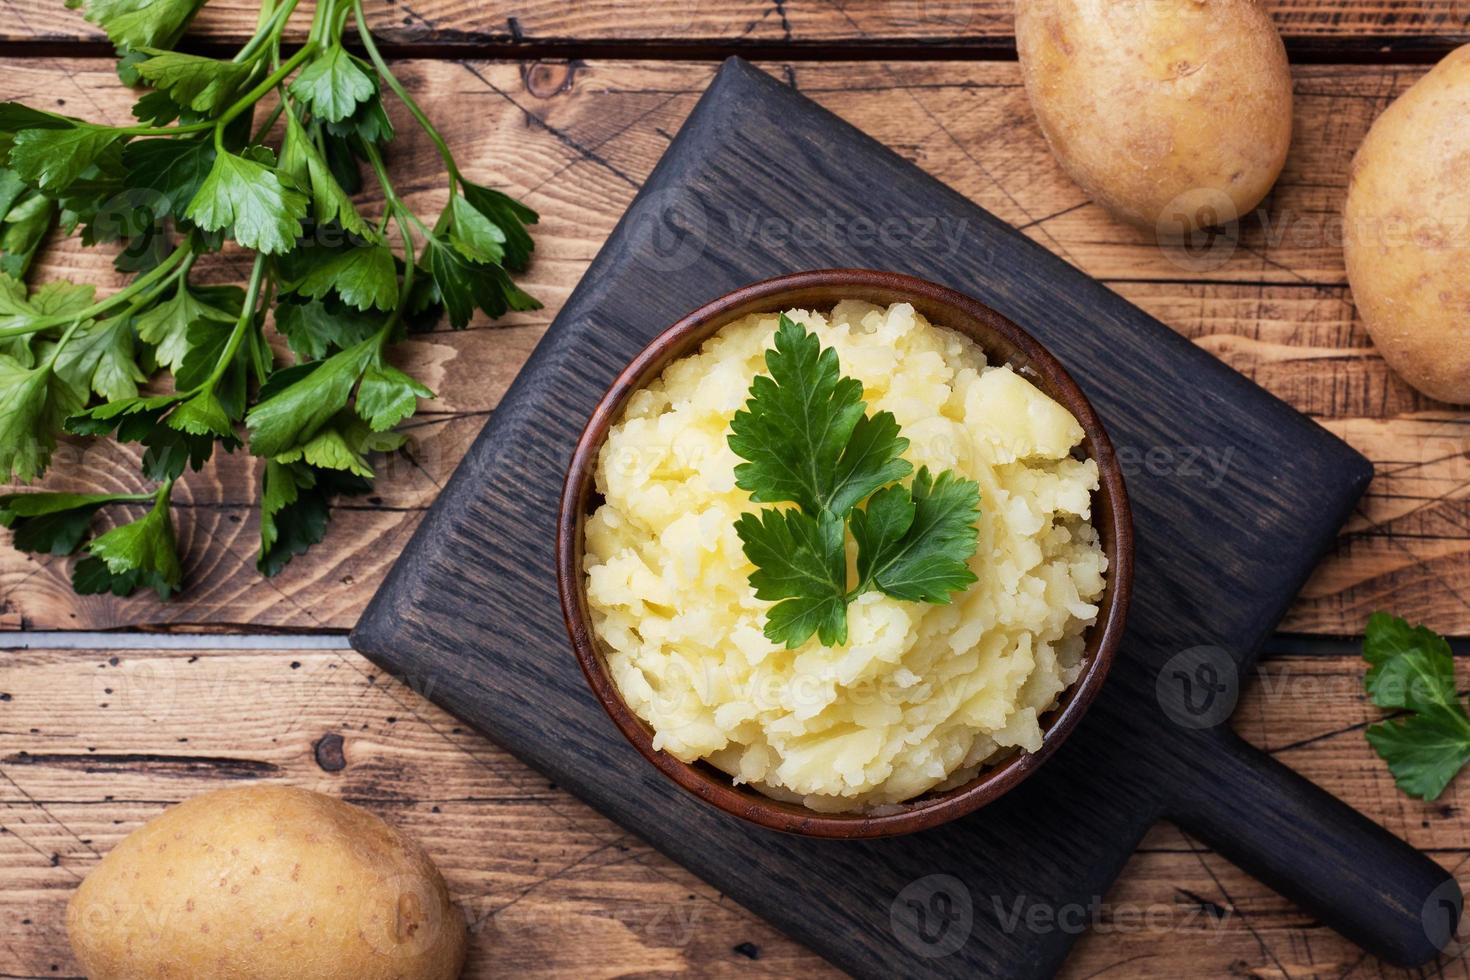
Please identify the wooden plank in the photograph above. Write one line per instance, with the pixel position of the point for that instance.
(109, 745)
(578, 143)
(1357, 26)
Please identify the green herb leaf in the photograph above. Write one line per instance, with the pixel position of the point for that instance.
(799, 432)
(140, 23)
(363, 276)
(370, 123)
(294, 505)
(28, 215)
(15, 117)
(1424, 751)
(314, 328)
(466, 285)
(52, 523)
(511, 216)
(247, 199)
(101, 419)
(477, 237)
(801, 561)
(206, 85)
(915, 543)
(334, 83)
(1412, 668)
(100, 357)
(806, 440)
(306, 166)
(170, 448)
(387, 396)
(203, 415)
(186, 183)
(166, 325)
(33, 404)
(19, 311)
(142, 553)
(171, 167)
(342, 444)
(292, 412)
(53, 158)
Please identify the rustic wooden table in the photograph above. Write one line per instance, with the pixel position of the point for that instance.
(568, 105)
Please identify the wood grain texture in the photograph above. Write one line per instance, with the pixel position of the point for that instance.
(577, 141)
(564, 893)
(829, 26)
(469, 602)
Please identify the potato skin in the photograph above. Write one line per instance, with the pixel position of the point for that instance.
(1172, 114)
(1407, 232)
(266, 883)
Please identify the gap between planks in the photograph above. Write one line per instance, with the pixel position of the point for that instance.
(1279, 645)
(1376, 50)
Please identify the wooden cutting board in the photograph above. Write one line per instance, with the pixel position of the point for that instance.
(1235, 496)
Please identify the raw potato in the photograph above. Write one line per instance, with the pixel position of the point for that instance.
(1407, 222)
(1172, 114)
(266, 883)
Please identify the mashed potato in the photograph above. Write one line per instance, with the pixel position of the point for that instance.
(922, 695)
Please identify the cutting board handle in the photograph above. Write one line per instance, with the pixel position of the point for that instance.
(1317, 851)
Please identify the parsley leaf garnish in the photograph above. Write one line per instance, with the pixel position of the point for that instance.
(800, 431)
(801, 560)
(1412, 669)
(806, 440)
(914, 543)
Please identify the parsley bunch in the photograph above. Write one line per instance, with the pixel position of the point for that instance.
(1412, 669)
(807, 440)
(259, 155)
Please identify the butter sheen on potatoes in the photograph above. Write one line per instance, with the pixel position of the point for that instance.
(266, 883)
(1407, 232)
(1172, 114)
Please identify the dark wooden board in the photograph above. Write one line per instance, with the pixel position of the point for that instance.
(761, 181)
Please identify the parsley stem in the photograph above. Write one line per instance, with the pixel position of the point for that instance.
(179, 130)
(65, 336)
(247, 317)
(270, 26)
(320, 20)
(270, 119)
(140, 301)
(267, 8)
(154, 275)
(259, 91)
(408, 100)
(161, 497)
(393, 204)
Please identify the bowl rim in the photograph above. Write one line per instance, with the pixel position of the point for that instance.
(1113, 520)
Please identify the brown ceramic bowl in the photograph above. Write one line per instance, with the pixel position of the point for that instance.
(1002, 341)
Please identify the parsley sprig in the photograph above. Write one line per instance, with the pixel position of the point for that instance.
(262, 152)
(1411, 669)
(806, 439)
